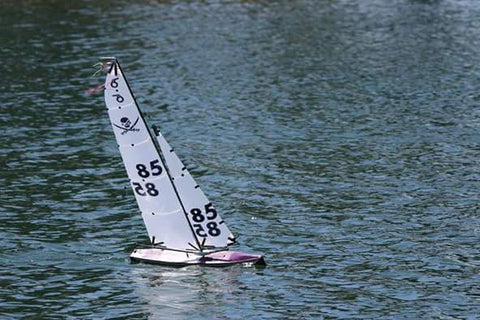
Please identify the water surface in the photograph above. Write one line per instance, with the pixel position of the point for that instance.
(338, 138)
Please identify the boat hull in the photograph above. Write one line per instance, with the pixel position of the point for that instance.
(180, 259)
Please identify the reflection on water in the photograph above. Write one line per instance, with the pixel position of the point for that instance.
(193, 291)
(339, 138)
(167, 291)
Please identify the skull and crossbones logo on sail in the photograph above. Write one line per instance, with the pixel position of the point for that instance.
(127, 126)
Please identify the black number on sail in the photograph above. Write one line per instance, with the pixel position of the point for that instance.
(199, 230)
(155, 169)
(151, 191)
(142, 171)
(155, 165)
(197, 215)
(114, 83)
(139, 189)
(213, 229)
(119, 98)
(209, 209)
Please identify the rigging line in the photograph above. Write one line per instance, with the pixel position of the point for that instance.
(159, 152)
(191, 245)
(95, 89)
(103, 68)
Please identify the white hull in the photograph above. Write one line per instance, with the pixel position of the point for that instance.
(180, 258)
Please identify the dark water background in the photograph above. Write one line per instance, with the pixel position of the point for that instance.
(338, 138)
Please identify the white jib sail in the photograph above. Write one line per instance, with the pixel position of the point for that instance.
(161, 210)
(206, 222)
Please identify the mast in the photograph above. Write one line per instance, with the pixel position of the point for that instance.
(114, 66)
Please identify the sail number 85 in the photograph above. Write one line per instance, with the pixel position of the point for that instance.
(210, 214)
(143, 172)
(155, 169)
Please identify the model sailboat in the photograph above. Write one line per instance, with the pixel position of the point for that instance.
(183, 225)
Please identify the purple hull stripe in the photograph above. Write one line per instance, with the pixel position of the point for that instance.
(231, 256)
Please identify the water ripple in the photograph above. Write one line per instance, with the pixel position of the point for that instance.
(337, 138)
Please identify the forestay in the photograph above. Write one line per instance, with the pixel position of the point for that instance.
(206, 222)
(161, 209)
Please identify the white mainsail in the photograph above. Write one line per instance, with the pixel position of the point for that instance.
(207, 223)
(162, 211)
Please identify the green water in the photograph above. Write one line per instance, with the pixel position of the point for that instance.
(338, 138)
